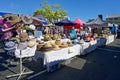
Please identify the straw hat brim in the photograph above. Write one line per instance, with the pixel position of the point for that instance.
(56, 49)
(10, 48)
(12, 18)
(70, 45)
(63, 46)
(31, 45)
(23, 36)
(26, 19)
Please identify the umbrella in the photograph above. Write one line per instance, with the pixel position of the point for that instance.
(65, 23)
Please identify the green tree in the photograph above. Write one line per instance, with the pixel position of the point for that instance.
(50, 12)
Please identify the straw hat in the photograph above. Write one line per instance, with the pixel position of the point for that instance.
(31, 26)
(81, 41)
(46, 47)
(23, 36)
(12, 17)
(47, 37)
(70, 43)
(64, 45)
(58, 42)
(32, 43)
(22, 45)
(10, 45)
(26, 19)
(55, 36)
(55, 47)
(39, 46)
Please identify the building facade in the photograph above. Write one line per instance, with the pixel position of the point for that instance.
(115, 18)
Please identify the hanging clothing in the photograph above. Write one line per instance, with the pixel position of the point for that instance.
(6, 31)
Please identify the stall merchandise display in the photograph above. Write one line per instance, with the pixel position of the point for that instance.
(106, 31)
(64, 45)
(46, 47)
(47, 37)
(81, 41)
(70, 44)
(55, 47)
(56, 36)
(58, 42)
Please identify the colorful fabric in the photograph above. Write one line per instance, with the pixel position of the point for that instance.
(6, 34)
(74, 33)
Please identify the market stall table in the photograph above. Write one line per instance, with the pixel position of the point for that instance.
(87, 47)
(105, 41)
(51, 58)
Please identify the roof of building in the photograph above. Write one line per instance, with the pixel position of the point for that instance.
(113, 16)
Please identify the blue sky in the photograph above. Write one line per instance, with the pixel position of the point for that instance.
(83, 9)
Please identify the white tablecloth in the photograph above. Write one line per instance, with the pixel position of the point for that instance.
(53, 57)
(105, 41)
(87, 47)
(28, 52)
(110, 39)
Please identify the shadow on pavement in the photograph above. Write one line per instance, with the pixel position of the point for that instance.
(97, 65)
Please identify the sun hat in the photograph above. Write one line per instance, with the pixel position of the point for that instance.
(10, 45)
(58, 42)
(46, 47)
(55, 47)
(1, 22)
(64, 45)
(22, 45)
(23, 36)
(32, 43)
(81, 41)
(37, 21)
(39, 46)
(26, 19)
(12, 17)
(70, 43)
(31, 26)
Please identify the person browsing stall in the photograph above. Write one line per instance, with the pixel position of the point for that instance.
(74, 32)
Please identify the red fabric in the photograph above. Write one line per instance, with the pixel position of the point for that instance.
(79, 24)
(93, 38)
(87, 36)
(67, 28)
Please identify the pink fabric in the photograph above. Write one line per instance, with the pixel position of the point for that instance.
(7, 34)
(80, 22)
(1, 22)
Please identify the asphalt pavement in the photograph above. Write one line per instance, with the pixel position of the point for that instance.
(101, 64)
